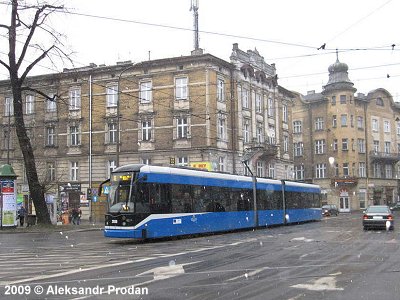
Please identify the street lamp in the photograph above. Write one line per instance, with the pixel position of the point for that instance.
(119, 92)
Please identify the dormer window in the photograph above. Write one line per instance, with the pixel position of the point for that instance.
(379, 101)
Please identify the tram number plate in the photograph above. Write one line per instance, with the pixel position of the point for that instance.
(114, 221)
(177, 221)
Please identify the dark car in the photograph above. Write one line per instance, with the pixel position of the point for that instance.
(330, 210)
(395, 207)
(378, 216)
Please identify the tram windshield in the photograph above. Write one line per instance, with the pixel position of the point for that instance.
(121, 195)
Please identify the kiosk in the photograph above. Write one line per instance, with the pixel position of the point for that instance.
(8, 196)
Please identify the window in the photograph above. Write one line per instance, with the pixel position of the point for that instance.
(299, 172)
(51, 104)
(29, 104)
(112, 133)
(379, 101)
(388, 171)
(146, 161)
(377, 170)
(50, 171)
(334, 121)
(271, 107)
(8, 107)
(319, 146)
(362, 194)
(246, 131)
(320, 170)
(146, 93)
(75, 99)
(221, 128)
(298, 149)
(346, 171)
(258, 103)
(284, 113)
(181, 88)
(183, 161)
(333, 100)
(112, 96)
(398, 128)
(285, 143)
(74, 171)
(50, 136)
(260, 169)
(271, 134)
(220, 90)
(319, 123)
(343, 120)
(221, 164)
(7, 141)
(146, 130)
(360, 122)
(345, 144)
(376, 146)
(362, 169)
(74, 135)
(361, 145)
(297, 127)
(351, 120)
(387, 147)
(375, 125)
(386, 126)
(245, 98)
(260, 133)
(182, 128)
(271, 170)
(342, 99)
(111, 165)
(335, 145)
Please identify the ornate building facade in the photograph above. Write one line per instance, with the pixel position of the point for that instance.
(348, 143)
(196, 110)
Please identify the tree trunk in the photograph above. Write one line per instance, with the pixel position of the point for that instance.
(35, 188)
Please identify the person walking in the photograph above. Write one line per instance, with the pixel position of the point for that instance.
(21, 215)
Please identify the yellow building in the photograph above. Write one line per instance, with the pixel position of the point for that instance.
(179, 110)
(348, 143)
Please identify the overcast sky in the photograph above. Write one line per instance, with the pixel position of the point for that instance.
(285, 32)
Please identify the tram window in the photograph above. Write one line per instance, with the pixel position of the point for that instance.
(245, 200)
(159, 198)
(181, 198)
(142, 199)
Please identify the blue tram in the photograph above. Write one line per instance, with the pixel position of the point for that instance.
(149, 202)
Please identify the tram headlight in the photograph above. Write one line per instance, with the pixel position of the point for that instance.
(125, 207)
(123, 218)
(123, 223)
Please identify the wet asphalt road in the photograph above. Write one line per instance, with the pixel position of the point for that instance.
(331, 259)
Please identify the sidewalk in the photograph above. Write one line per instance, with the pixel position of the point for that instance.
(84, 226)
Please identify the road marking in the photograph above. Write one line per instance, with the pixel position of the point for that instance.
(321, 284)
(41, 277)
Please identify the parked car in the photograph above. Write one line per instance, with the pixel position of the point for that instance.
(378, 216)
(330, 210)
(395, 207)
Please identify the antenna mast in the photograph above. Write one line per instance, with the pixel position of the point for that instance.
(195, 7)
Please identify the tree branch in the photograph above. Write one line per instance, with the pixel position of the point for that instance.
(29, 68)
(5, 65)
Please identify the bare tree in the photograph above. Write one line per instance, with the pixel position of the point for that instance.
(27, 22)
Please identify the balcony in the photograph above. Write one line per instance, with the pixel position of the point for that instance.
(384, 157)
(263, 151)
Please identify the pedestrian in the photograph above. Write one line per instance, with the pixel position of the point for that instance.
(79, 215)
(21, 215)
(75, 216)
